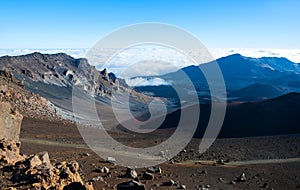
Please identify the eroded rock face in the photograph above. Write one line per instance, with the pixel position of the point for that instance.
(10, 122)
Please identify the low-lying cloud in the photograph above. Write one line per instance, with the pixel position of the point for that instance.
(146, 81)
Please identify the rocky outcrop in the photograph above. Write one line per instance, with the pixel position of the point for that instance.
(10, 126)
(10, 122)
(37, 171)
(34, 171)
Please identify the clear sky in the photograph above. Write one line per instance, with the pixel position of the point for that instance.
(217, 23)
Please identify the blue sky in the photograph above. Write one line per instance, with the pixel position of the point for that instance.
(218, 24)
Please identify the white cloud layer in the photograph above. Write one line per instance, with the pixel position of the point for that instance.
(76, 53)
(152, 61)
(291, 54)
(139, 81)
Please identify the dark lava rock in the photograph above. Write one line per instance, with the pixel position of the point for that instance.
(241, 178)
(169, 183)
(131, 173)
(148, 176)
(131, 185)
(154, 170)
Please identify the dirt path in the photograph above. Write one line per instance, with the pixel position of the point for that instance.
(201, 162)
(84, 146)
(53, 143)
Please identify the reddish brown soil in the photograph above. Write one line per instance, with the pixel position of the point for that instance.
(274, 175)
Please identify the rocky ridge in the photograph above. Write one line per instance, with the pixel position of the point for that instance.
(62, 70)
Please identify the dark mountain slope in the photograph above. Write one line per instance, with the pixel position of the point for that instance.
(257, 92)
(276, 116)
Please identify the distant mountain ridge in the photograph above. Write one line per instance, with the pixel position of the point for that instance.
(60, 70)
(241, 72)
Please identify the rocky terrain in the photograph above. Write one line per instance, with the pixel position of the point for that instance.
(268, 162)
(29, 104)
(238, 162)
(19, 171)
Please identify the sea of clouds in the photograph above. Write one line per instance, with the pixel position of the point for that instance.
(135, 63)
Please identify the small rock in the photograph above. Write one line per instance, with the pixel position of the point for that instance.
(131, 173)
(154, 170)
(204, 187)
(104, 169)
(221, 161)
(170, 183)
(241, 178)
(86, 154)
(265, 185)
(98, 178)
(111, 160)
(183, 187)
(148, 176)
(131, 185)
(222, 180)
(232, 182)
(203, 172)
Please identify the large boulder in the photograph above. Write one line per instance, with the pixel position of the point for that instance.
(10, 125)
(10, 122)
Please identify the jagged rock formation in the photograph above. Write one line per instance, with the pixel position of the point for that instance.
(63, 71)
(34, 171)
(29, 104)
(39, 173)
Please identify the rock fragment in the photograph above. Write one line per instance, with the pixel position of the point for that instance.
(154, 169)
(131, 185)
(131, 173)
(241, 178)
(148, 176)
